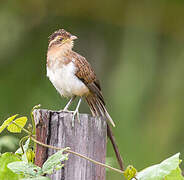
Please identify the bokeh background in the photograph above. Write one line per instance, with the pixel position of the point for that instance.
(137, 51)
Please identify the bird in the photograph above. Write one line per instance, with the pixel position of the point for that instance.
(73, 76)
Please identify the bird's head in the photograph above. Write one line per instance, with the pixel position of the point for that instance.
(61, 38)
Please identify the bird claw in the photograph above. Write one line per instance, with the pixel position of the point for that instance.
(64, 110)
(75, 114)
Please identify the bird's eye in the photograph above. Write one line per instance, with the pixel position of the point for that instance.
(60, 39)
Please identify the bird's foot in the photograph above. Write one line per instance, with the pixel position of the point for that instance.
(64, 110)
(75, 114)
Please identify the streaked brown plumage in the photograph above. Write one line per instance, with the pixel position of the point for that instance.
(84, 72)
(72, 76)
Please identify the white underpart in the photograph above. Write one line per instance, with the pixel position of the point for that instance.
(64, 79)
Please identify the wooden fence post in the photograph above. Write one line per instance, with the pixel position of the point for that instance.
(87, 137)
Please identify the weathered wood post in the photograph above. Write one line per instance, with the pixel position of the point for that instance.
(87, 138)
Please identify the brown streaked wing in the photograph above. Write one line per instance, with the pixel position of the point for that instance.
(87, 75)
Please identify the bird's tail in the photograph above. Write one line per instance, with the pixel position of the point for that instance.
(97, 107)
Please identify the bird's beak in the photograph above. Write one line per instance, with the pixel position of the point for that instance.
(73, 37)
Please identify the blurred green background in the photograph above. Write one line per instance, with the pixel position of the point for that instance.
(137, 51)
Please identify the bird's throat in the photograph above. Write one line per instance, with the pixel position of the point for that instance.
(57, 55)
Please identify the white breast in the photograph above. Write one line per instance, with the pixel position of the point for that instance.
(65, 81)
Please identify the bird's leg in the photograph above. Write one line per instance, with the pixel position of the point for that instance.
(69, 103)
(76, 112)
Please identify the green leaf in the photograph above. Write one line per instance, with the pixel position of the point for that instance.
(167, 170)
(59, 166)
(20, 122)
(25, 147)
(6, 173)
(7, 122)
(21, 167)
(37, 178)
(175, 175)
(53, 161)
(24, 158)
(9, 142)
